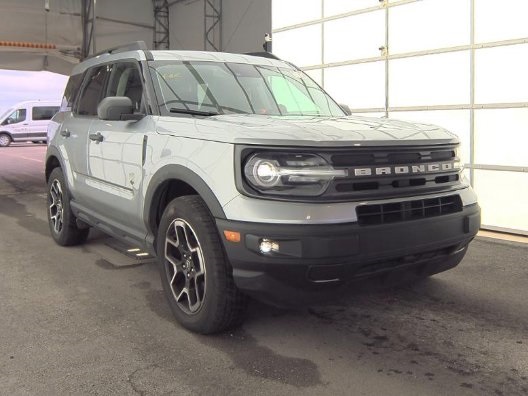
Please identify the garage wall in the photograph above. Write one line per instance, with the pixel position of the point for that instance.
(111, 33)
(118, 22)
(244, 24)
(457, 63)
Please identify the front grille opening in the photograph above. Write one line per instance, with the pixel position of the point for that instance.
(352, 159)
(361, 186)
(390, 157)
(409, 182)
(446, 179)
(403, 158)
(409, 210)
(417, 182)
(443, 155)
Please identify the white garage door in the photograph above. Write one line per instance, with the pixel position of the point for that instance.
(457, 63)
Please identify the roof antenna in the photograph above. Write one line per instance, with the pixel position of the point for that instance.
(267, 42)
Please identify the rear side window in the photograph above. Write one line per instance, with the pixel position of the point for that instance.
(92, 91)
(74, 83)
(40, 113)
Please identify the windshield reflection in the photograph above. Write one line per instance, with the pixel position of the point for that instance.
(210, 88)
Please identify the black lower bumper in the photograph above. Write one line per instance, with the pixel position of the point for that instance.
(314, 261)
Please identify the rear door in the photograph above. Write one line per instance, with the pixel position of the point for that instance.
(73, 135)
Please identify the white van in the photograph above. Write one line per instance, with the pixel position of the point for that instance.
(27, 121)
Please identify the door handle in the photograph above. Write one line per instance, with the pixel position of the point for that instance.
(65, 133)
(96, 137)
(25, 123)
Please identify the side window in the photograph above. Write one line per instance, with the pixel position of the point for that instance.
(125, 80)
(40, 113)
(16, 116)
(92, 92)
(70, 92)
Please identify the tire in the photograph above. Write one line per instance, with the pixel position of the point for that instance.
(195, 274)
(61, 219)
(5, 140)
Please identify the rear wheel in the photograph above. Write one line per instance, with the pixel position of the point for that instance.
(61, 220)
(195, 274)
(5, 140)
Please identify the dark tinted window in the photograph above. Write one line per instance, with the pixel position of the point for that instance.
(74, 83)
(93, 90)
(16, 116)
(44, 112)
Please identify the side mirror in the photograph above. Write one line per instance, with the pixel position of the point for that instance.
(117, 108)
(345, 108)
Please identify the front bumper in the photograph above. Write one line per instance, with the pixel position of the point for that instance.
(315, 261)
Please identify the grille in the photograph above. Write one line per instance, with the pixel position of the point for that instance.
(394, 157)
(393, 184)
(408, 210)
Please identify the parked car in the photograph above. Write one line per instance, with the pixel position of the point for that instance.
(246, 178)
(27, 121)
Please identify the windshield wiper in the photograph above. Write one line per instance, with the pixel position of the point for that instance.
(193, 112)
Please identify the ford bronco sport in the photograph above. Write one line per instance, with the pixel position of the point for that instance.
(245, 178)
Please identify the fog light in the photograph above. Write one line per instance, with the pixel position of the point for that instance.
(267, 246)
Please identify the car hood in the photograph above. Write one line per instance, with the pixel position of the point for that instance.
(304, 131)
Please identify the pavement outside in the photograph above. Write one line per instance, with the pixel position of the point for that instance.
(88, 320)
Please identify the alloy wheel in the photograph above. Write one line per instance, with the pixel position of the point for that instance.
(184, 266)
(56, 208)
(4, 140)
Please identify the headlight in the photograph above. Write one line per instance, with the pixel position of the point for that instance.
(460, 160)
(290, 173)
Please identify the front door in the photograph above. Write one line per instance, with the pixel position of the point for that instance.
(17, 124)
(115, 153)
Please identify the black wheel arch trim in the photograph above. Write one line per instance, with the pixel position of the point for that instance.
(181, 173)
(54, 152)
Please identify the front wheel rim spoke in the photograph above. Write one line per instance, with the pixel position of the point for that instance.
(58, 221)
(184, 291)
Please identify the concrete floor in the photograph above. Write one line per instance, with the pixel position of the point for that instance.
(87, 320)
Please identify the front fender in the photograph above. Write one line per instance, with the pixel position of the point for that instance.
(178, 172)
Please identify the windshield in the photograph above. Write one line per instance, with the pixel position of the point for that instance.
(226, 88)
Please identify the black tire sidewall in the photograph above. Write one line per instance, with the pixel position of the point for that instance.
(68, 222)
(213, 257)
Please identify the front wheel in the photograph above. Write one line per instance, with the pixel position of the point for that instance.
(5, 140)
(195, 274)
(61, 220)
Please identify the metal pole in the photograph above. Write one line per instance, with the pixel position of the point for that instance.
(94, 17)
(322, 44)
(220, 22)
(472, 95)
(386, 60)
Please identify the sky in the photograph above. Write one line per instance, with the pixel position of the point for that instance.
(16, 86)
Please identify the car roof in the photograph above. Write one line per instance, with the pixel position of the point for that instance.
(51, 102)
(203, 56)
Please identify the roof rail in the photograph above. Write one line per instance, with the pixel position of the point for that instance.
(134, 46)
(263, 55)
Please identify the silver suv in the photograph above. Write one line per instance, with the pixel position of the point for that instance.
(245, 178)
